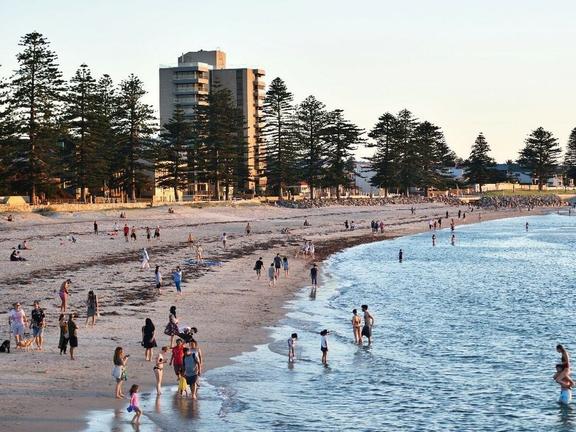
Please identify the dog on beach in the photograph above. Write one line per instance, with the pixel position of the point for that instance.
(5, 347)
(25, 344)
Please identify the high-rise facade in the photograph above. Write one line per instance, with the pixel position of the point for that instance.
(197, 73)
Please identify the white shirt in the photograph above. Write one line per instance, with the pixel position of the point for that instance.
(324, 342)
(17, 317)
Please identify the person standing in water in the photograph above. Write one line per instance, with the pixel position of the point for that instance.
(433, 239)
(159, 369)
(292, 347)
(526, 226)
(368, 323)
(453, 240)
(400, 255)
(357, 326)
(314, 275)
(324, 346)
(258, 267)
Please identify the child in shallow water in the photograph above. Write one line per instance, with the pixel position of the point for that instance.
(135, 404)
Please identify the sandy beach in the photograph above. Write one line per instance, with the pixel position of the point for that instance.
(225, 301)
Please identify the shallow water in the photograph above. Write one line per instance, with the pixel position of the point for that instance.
(464, 340)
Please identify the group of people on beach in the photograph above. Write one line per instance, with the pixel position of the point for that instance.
(359, 330)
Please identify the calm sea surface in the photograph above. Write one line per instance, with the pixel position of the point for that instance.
(464, 341)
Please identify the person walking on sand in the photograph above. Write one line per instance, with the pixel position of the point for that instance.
(73, 334)
(285, 265)
(177, 278)
(368, 324)
(172, 329)
(148, 233)
(314, 275)
(271, 275)
(92, 308)
(158, 279)
(277, 265)
(95, 227)
(157, 232)
(135, 404)
(145, 259)
(159, 369)
(224, 239)
(148, 339)
(64, 293)
(248, 229)
(356, 326)
(126, 232)
(133, 233)
(292, 347)
(258, 267)
(17, 321)
(37, 324)
(324, 346)
(63, 342)
(119, 370)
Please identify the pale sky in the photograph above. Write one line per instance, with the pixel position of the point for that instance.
(500, 67)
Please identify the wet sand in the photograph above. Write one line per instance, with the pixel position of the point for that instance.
(225, 302)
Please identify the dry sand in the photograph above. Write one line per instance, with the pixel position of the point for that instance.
(226, 303)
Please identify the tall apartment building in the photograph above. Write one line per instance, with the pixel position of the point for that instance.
(196, 74)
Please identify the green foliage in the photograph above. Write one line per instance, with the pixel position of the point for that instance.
(280, 143)
(479, 166)
(36, 98)
(310, 125)
(540, 155)
(170, 153)
(135, 125)
(342, 138)
(383, 162)
(570, 156)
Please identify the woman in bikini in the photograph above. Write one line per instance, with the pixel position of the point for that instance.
(357, 326)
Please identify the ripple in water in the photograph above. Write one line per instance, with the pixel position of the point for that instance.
(464, 340)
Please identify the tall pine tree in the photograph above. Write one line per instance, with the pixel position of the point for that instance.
(479, 166)
(384, 162)
(82, 118)
(106, 131)
(135, 125)
(433, 154)
(37, 91)
(280, 146)
(310, 129)
(342, 139)
(540, 155)
(570, 156)
(408, 161)
(170, 153)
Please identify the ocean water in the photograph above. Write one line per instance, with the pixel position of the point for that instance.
(464, 340)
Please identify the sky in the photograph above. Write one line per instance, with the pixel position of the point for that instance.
(503, 67)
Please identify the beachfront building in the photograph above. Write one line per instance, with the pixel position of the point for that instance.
(198, 73)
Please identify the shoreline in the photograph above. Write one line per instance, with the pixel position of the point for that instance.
(255, 307)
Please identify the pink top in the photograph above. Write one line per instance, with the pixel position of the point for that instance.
(134, 400)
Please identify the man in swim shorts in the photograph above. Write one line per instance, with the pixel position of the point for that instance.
(368, 323)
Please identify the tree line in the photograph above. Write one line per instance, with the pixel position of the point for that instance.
(95, 136)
